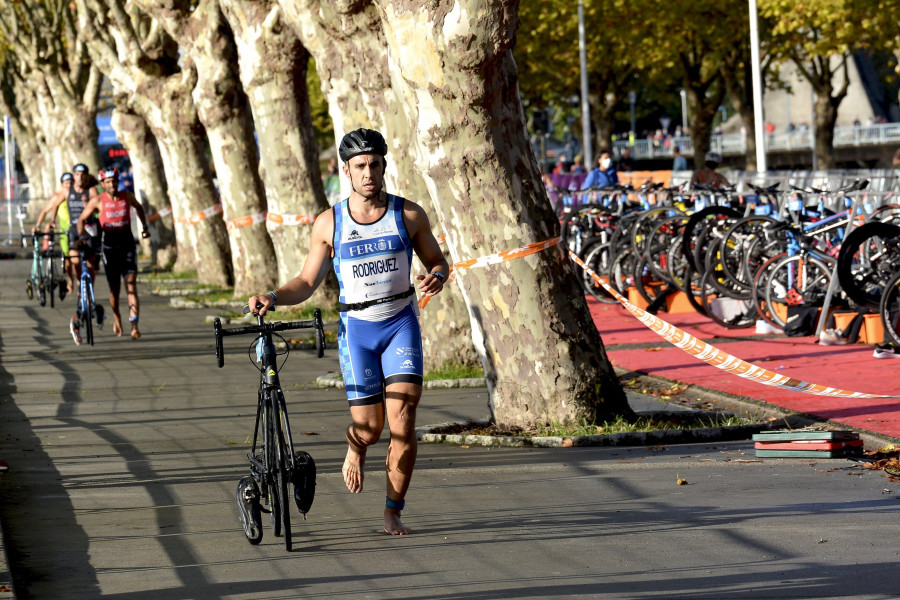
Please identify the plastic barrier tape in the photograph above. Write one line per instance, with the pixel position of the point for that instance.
(280, 219)
(719, 358)
(246, 221)
(159, 215)
(493, 259)
(201, 216)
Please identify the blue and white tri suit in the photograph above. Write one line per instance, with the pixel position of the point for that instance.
(380, 344)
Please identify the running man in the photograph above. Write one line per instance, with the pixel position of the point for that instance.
(57, 209)
(119, 249)
(369, 238)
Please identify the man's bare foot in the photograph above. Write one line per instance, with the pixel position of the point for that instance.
(353, 470)
(135, 334)
(117, 327)
(392, 523)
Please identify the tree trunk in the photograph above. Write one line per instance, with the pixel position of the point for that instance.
(167, 107)
(454, 71)
(826, 117)
(202, 33)
(603, 117)
(273, 66)
(740, 91)
(703, 109)
(359, 94)
(149, 184)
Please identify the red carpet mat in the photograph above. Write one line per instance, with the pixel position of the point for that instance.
(633, 346)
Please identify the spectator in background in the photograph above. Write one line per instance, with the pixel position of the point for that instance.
(707, 175)
(578, 165)
(896, 161)
(680, 162)
(561, 165)
(126, 181)
(603, 175)
(626, 163)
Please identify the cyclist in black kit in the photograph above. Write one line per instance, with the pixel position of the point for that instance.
(83, 190)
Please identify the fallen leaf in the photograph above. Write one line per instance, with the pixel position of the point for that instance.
(567, 443)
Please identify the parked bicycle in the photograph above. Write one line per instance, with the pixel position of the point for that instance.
(273, 461)
(46, 269)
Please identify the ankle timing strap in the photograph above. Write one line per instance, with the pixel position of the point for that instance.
(394, 504)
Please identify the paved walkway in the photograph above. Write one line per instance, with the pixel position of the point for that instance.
(124, 459)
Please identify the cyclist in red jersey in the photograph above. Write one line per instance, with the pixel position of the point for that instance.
(119, 250)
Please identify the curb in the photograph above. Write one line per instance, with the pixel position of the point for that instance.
(642, 438)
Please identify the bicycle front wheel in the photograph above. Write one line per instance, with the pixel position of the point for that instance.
(273, 489)
(284, 477)
(890, 310)
(87, 321)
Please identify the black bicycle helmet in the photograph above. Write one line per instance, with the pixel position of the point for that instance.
(362, 141)
(80, 168)
(66, 177)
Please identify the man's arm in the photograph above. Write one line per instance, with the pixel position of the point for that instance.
(140, 213)
(318, 261)
(427, 249)
(52, 205)
(92, 205)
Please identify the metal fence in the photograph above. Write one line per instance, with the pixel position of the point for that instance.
(885, 134)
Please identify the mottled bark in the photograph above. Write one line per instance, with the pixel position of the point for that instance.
(142, 64)
(273, 66)
(202, 32)
(149, 183)
(453, 67)
(348, 45)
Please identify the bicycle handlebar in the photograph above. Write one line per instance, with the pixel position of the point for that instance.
(262, 327)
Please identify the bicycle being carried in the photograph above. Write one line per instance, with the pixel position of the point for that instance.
(45, 269)
(273, 462)
(87, 310)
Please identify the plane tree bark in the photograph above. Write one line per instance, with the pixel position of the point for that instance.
(345, 38)
(273, 68)
(142, 63)
(452, 67)
(202, 32)
(149, 183)
(64, 83)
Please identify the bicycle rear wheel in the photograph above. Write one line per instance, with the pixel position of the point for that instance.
(890, 310)
(42, 292)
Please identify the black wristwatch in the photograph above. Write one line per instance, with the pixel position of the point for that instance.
(440, 276)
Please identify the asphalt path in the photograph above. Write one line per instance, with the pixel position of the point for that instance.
(124, 458)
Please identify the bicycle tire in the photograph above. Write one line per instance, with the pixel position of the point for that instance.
(284, 478)
(890, 310)
(741, 250)
(271, 450)
(869, 257)
(87, 321)
(42, 293)
(29, 289)
(51, 287)
(811, 278)
(597, 259)
(690, 245)
(748, 315)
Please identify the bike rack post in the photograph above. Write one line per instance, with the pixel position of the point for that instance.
(833, 285)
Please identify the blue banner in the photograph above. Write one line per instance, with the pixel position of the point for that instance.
(107, 133)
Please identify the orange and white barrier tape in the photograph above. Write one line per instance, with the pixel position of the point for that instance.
(197, 217)
(719, 358)
(246, 221)
(282, 219)
(493, 259)
(165, 212)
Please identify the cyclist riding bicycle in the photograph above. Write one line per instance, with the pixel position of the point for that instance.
(119, 250)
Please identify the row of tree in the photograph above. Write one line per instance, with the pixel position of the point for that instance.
(703, 47)
(192, 77)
